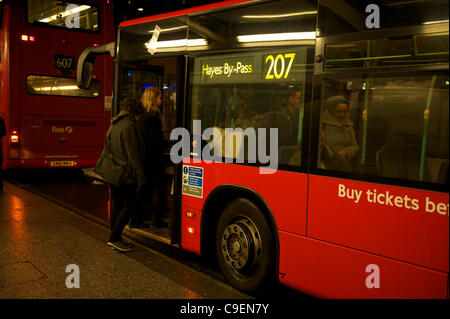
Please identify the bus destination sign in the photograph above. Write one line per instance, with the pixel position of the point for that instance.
(263, 66)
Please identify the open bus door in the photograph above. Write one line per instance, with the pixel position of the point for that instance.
(131, 80)
(134, 78)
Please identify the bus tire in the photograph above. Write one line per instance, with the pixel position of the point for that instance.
(245, 246)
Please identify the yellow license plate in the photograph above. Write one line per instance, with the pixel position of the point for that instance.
(62, 163)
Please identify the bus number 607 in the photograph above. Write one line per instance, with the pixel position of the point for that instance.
(277, 65)
(64, 63)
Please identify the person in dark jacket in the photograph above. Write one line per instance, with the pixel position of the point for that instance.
(125, 146)
(2, 133)
(149, 128)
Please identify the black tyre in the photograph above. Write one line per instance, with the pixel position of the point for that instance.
(245, 246)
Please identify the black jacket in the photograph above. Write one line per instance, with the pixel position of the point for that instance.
(149, 128)
(125, 146)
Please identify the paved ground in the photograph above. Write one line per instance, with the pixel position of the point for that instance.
(39, 239)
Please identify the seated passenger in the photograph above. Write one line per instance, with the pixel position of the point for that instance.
(338, 141)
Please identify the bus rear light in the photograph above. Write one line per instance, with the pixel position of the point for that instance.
(26, 37)
(14, 137)
(190, 214)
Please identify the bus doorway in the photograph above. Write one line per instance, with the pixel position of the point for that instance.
(134, 79)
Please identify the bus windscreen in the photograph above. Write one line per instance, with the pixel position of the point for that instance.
(63, 15)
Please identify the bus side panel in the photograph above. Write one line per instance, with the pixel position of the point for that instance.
(4, 75)
(42, 157)
(284, 192)
(14, 86)
(396, 222)
(332, 271)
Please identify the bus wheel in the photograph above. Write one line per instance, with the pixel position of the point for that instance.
(244, 246)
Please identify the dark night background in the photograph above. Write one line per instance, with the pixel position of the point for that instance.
(128, 9)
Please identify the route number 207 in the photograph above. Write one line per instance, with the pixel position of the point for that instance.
(277, 66)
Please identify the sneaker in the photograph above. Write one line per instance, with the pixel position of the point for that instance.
(127, 243)
(119, 246)
(158, 223)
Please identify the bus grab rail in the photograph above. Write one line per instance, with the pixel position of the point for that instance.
(86, 61)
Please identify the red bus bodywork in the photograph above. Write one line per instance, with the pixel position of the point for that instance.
(328, 243)
(58, 129)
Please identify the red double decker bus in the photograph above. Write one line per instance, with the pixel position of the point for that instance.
(334, 179)
(50, 121)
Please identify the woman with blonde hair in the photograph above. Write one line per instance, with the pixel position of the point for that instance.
(149, 128)
(151, 99)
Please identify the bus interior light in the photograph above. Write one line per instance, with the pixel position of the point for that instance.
(179, 43)
(275, 16)
(65, 13)
(191, 230)
(277, 36)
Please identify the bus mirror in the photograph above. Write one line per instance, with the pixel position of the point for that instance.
(86, 75)
(86, 62)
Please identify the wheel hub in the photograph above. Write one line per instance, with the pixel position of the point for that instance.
(241, 245)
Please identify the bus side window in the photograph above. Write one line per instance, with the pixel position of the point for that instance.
(400, 124)
(249, 102)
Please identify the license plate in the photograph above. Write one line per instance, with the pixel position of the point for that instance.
(62, 163)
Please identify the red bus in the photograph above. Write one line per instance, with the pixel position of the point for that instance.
(350, 197)
(50, 121)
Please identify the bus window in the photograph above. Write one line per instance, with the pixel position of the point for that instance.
(63, 15)
(392, 126)
(412, 50)
(255, 91)
(58, 86)
(338, 17)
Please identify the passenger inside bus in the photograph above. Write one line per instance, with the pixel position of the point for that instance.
(149, 128)
(338, 139)
(240, 107)
(293, 111)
